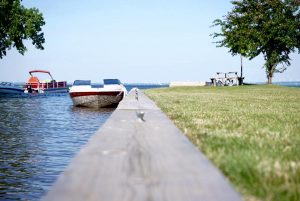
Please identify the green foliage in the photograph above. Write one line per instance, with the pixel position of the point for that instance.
(253, 141)
(268, 27)
(18, 23)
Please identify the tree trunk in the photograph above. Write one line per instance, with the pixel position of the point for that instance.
(241, 78)
(270, 69)
(270, 77)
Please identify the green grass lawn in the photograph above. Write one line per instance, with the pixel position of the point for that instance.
(252, 133)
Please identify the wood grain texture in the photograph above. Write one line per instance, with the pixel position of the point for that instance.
(133, 160)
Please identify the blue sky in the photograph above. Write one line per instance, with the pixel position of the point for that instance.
(141, 41)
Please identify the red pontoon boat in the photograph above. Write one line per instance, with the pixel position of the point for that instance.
(35, 85)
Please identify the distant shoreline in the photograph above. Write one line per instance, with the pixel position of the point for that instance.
(166, 84)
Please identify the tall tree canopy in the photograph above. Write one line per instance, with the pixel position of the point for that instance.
(268, 27)
(18, 23)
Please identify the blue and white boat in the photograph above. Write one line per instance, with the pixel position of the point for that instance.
(10, 88)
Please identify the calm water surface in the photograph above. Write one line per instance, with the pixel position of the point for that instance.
(39, 136)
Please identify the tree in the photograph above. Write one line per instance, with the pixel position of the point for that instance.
(268, 27)
(18, 23)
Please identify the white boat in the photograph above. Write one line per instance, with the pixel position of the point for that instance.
(83, 94)
(10, 88)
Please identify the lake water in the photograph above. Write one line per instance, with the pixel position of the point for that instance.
(288, 84)
(39, 137)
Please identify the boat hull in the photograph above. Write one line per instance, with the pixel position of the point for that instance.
(57, 90)
(97, 99)
(11, 90)
(4, 90)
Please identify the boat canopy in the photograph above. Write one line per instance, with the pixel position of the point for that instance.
(41, 71)
(81, 82)
(111, 81)
(38, 71)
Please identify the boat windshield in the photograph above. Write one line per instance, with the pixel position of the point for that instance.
(111, 81)
(6, 83)
(81, 82)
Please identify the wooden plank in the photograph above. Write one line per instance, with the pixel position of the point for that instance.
(130, 159)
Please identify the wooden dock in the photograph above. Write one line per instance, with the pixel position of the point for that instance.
(134, 159)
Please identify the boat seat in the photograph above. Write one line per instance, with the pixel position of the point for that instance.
(33, 81)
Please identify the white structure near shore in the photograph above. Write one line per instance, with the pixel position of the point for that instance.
(186, 84)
